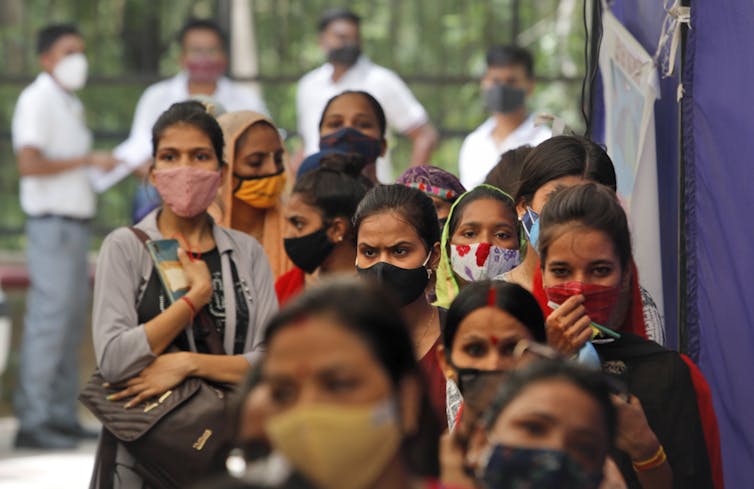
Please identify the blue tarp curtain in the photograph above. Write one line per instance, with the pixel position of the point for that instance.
(718, 202)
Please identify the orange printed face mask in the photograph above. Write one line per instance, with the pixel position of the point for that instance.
(260, 192)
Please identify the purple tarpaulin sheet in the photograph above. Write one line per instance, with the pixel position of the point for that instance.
(719, 150)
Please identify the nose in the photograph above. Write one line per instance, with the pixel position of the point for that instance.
(269, 166)
(485, 236)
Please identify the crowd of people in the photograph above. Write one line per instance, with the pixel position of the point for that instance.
(431, 331)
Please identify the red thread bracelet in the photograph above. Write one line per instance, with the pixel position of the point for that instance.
(190, 304)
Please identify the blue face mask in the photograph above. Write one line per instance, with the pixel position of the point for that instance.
(530, 222)
(513, 467)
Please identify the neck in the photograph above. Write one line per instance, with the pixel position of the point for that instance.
(247, 219)
(505, 124)
(201, 88)
(341, 260)
(192, 229)
(338, 71)
(523, 274)
(424, 328)
(395, 476)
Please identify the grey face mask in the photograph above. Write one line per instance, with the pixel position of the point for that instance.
(503, 98)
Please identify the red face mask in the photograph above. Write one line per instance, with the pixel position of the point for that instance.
(599, 300)
(205, 69)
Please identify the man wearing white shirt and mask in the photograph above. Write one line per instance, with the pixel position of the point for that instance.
(53, 152)
(506, 84)
(204, 61)
(348, 69)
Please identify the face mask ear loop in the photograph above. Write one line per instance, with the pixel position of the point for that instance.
(429, 270)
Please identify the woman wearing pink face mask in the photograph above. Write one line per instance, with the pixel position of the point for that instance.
(587, 276)
(144, 344)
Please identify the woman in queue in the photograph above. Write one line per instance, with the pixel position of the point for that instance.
(319, 237)
(251, 194)
(480, 241)
(398, 245)
(344, 390)
(144, 344)
(587, 276)
(441, 186)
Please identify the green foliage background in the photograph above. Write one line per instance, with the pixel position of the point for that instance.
(437, 46)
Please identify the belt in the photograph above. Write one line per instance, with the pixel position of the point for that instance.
(79, 220)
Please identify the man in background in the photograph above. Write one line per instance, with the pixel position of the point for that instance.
(348, 69)
(52, 146)
(204, 61)
(506, 84)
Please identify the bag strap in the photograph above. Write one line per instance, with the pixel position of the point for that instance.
(143, 237)
(104, 464)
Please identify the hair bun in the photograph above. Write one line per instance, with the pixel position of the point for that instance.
(350, 164)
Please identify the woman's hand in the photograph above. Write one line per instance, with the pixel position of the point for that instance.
(612, 479)
(198, 279)
(452, 462)
(568, 326)
(164, 373)
(634, 436)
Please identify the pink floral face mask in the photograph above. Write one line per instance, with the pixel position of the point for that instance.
(186, 190)
(482, 261)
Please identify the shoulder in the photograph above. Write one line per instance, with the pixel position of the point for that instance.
(312, 76)
(379, 74)
(122, 243)
(157, 90)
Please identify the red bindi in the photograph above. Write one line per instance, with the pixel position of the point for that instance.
(494, 340)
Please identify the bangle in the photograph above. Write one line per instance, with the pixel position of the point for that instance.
(190, 304)
(652, 462)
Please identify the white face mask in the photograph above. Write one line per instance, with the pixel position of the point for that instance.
(71, 71)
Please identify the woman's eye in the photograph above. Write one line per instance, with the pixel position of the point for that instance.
(203, 157)
(468, 234)
(283, 394)
(534, 427)
(367, 253)
(166, 157)
(507, 349)
(559, 272)
(400, 251)
(502, 235)
(476, 350)
(602, 271)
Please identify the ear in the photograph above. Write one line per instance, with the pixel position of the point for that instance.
(383, 143)
(443, 362)
(434, 260)
(337, 230)
(45, 60)
(223, 172)
(520, 208)
(530, 84)
(410, 404)
(150, 174)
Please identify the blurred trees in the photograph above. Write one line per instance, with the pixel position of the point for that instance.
(437, 46)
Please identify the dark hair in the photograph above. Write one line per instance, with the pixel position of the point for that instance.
(336, 187)
(590, 206)
(413, 205)
(331, 15)
(365, 310)
(193, 24)
(563, 156)
(478, 193)
(194, 114)
(376, 107)
(499, 56)
(592, 382)
(506, 175)
(509, 297)
(49, 35)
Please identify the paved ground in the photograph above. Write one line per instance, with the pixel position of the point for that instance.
(42, 469)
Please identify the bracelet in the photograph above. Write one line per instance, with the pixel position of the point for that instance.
(659, 458)
(190, 304)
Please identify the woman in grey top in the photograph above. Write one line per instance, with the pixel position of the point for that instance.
(143, 343)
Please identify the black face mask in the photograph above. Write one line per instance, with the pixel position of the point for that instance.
(346, 55)
(503, 99)
(478, 387)
(308, 252)
(406, 284)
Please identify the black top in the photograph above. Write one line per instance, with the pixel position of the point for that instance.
(662, 382)
(154, 301)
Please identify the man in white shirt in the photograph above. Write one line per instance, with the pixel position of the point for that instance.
(348, 69)
(506, 84)
(52, 146)
(204, 60)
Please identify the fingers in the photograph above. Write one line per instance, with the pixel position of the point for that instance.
(127, 392)
(184, 258)
(141, 397)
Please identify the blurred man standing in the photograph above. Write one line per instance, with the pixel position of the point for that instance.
(507, 83)
(52, 146)
(348, 69)
(204, 61)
